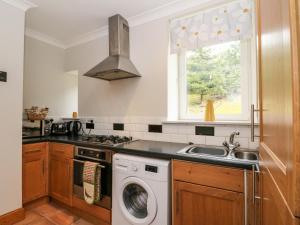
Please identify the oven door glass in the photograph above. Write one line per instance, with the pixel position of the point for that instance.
(106, 183)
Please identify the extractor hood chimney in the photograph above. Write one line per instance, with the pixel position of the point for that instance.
(117, 65)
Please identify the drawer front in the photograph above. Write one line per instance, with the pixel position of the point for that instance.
(34, 148)
(35, 151)
(209, 175)
(63, 150)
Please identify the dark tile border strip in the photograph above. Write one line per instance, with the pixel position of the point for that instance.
(118, 126)
(204, 130)
(154, 128)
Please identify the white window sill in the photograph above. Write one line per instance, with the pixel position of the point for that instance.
(198, 122)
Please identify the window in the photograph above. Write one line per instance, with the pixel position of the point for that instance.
(220, 73)
(213, 59)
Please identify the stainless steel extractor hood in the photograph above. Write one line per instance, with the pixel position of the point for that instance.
(117, 65)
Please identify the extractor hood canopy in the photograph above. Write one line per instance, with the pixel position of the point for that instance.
(118, 64)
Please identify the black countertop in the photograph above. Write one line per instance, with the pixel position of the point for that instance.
(151, 149)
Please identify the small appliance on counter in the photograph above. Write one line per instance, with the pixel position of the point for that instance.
(59, 128)
(74, 127)
(36, 128)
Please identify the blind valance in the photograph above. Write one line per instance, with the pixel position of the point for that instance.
(229, 22)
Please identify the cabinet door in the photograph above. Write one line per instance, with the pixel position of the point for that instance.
(279, 104)
(61, 178)
(201, 205)
(34, 172)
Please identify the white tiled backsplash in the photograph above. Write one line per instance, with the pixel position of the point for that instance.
(137, 127)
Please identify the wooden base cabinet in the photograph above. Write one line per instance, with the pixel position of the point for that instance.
(57, 181)
(61, 172)
(34, 168)
(210, 195)
(202, 205)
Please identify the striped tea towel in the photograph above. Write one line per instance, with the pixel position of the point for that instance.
(91, 182)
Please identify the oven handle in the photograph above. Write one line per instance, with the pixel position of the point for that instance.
(81, 161)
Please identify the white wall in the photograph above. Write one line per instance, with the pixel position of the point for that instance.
(138, 102)
(11, 60)
(45, 82)
(146, 96)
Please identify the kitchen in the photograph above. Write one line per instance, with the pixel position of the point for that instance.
(137, 112)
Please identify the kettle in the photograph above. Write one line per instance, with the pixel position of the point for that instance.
(74, 127)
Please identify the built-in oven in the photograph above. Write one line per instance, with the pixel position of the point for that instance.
(104, 158)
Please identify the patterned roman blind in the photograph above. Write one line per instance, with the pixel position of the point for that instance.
(229, 22)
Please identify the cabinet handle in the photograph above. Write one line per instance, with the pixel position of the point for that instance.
(253, 184)
(59, 151)
(43, 167)
(245, 198)
(177, 202)
(81, 161)
(256, 172)
(70, 162)
(33, 151)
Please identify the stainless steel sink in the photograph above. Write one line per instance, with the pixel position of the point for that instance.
(245, 155)
(198, 150)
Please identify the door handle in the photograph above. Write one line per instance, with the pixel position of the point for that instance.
(253, 110)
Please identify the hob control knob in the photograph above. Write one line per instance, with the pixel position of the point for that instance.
(81, 152)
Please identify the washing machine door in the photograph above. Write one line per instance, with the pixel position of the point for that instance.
(137, 201)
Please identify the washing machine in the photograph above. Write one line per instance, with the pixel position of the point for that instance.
(141, 191)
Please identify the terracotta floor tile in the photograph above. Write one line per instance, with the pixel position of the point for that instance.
(63, 218)
(42, 221)
(47, 210)
(82, 222)
(51, 214)
(29, 218)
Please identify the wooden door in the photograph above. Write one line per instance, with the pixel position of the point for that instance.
(61, 178)
(202, 205)
(34, 172)
(279, 109)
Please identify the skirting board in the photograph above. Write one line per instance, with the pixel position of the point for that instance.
(12, 217)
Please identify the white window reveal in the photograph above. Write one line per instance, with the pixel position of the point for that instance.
(215, 52)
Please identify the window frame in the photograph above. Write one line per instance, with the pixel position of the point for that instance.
(248, 85)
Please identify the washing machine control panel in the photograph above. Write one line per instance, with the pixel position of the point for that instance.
(134, 168)
(152, 169)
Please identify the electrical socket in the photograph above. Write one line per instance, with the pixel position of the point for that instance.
(90, 125)
(3, 76)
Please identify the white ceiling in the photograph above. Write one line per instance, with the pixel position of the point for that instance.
(65, 20)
